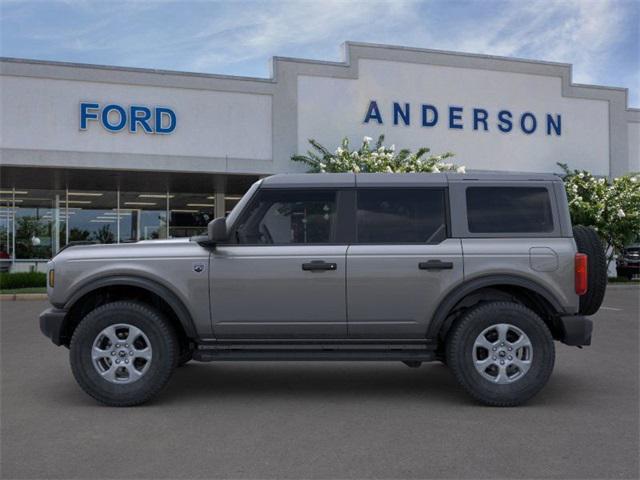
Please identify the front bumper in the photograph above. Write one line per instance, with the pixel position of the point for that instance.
(575, 330)
(52, 324)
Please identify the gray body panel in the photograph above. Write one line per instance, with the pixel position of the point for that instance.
(262, 292)
(169, 263)
(547, 262)
(389, 296)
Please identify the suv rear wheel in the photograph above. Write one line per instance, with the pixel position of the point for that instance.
(502, 353)
(123, 353)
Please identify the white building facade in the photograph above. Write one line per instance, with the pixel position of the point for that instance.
(109, 154)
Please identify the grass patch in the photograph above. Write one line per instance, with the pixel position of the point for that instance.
(10, 281)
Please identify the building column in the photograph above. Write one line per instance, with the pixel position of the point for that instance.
(219, 208)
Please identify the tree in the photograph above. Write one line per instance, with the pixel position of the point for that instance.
(104, 235)
(611, 207)
(374, 159)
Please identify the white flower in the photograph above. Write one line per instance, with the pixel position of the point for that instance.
(621, 213)
(339, 151)
(389, 170)
(392, 148)
(581, 175)
(367, 139)
(356, 168)
(634, 179)
(435, 169)
(462, 169)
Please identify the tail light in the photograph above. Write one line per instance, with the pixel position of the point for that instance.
(581, 273)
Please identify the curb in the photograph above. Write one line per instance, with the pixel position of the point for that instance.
(22, 296)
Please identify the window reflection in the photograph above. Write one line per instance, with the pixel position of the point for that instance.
(190, 214)
(144, 215)
(92, 216)
(41, 222)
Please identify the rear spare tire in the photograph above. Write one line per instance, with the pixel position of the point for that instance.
(589, 243)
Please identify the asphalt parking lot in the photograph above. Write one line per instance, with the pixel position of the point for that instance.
(323, 420)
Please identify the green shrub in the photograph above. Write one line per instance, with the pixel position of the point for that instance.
(22, 280)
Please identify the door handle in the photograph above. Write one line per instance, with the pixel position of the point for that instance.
(435, 265)
(319, 266)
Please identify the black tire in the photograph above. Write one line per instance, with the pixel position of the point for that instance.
(164, 348)
(588, 242)
(460, 351)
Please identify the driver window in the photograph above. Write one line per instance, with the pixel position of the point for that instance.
(282, 217)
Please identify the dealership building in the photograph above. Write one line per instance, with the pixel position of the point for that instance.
(111, 154)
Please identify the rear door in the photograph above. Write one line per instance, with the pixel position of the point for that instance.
(284, 276)
(401, 263)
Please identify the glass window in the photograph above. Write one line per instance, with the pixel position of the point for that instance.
(190, 213)
(143, 215)
(289, 217)
(6, 229)
(509, 210)
(92, 216)
(38, 223)
(401, 215)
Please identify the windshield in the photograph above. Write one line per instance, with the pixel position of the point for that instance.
(233, 215)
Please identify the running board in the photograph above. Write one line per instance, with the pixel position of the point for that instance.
(315, 352)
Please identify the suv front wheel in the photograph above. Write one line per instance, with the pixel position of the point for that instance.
(502, 353)
(123, 353)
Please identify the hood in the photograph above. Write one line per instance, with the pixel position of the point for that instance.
(143, 248)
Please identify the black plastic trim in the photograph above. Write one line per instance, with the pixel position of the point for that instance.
(133, 281)
(52, 324)
(466, 288)
(576, 330)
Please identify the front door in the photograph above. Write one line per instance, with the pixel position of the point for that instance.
(402, 262)
(284, 274)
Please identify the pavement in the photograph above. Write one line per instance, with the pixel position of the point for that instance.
(323, 420)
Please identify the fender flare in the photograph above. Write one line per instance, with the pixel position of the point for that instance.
(458, 293)
(177, 305)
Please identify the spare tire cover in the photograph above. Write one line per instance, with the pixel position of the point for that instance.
(588, 242)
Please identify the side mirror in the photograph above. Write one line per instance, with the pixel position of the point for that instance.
(217, 230)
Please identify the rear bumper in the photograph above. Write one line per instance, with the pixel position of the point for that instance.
(52, 323)
(576, 330)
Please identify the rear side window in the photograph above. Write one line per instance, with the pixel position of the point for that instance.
(509, 210)
(401, 215)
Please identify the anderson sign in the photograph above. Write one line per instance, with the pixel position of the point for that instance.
(460, 118)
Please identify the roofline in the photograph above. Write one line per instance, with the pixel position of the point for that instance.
(344, 63)
(97, 66)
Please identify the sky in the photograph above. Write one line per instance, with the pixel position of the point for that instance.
(601, 38)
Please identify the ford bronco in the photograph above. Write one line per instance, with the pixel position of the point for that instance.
(479, 271)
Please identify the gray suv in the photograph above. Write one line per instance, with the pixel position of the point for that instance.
(481, 272)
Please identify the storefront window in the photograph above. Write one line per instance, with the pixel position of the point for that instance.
(37, 223)
(144, 215)
(190, 213)
(6, 228)
(92, 216)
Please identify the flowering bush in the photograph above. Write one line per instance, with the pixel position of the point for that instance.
(377, 158)
(612, 208)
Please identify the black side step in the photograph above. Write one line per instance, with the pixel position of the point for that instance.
(315, 352)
